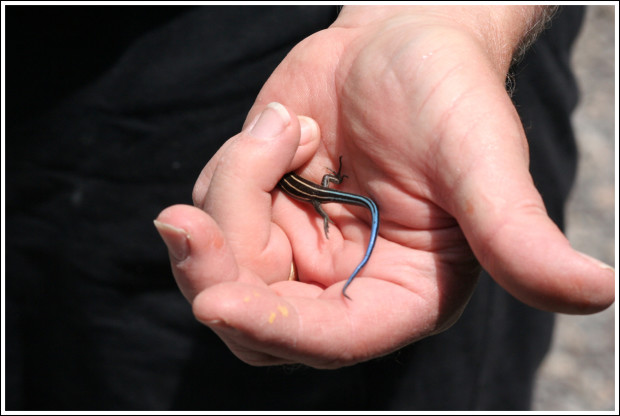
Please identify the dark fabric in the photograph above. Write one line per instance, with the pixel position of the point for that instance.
(128, 104)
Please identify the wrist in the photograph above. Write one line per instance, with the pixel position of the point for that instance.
(510, 30)
(505, 32)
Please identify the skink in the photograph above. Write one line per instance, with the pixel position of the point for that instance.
(305, 190)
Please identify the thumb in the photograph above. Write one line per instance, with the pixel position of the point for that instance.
(529, 256)
(506, 224)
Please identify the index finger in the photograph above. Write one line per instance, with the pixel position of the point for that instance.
(248, 169)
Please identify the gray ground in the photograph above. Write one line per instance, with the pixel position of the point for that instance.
(579, 373)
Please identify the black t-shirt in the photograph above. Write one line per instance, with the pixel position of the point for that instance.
(111, 115)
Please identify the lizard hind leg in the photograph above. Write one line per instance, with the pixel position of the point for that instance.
(323, 214)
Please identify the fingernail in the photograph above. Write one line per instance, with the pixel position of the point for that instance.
(271, 122)
(176, 239)
(599, 263)
(220, 325)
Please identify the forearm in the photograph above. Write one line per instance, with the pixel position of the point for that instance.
(504, 31)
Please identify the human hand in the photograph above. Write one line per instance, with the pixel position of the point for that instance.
(416, 96)
(232, 255)
(422, 143)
